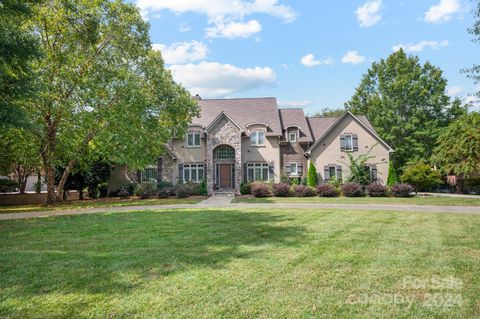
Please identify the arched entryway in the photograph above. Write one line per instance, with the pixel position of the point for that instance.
(224, 167)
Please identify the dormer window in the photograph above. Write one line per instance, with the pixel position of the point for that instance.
(257, 138)
(193, 139)
(292, 136)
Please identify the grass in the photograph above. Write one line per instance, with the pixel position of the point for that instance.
(104, 202)
(241, 264)
(416, 200)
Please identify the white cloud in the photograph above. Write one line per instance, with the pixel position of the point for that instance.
(419, 47)
(353, 57)
(443, 11)
(368, 14)
(455, 91)
(182, 52)
(294, 103)
(211, 79)
(309, 61)
(234, 29)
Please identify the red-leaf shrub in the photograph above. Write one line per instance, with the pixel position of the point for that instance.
(304, 191)
(377, 190)
(327, 190)
(402, 190)
(352, 190)
(281, 190)
(259, 189)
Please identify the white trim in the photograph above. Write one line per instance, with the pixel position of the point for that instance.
(256, 123)
(219, 116)
(338, 120)
(193, 145)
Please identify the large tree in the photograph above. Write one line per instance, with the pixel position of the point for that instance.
(458, 150)
(18, 47)
(407, 104)
(104, 93)
(474, 72)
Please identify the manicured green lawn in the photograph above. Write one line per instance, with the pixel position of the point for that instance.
(417, 200)
(108, 202)
(241, 264)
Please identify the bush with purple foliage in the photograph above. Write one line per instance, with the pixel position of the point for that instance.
(377, 190)
(327, 190)
(304, 191)
(402, 190)
(259, 189)
(352, 190)
(281, 190)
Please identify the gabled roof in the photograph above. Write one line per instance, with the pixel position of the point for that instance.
(321, 126)
(242, 111)
(296, 118)
(219, 116)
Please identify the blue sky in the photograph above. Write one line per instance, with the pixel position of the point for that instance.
(309, 54)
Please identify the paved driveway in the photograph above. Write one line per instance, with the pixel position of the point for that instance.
(224, 203)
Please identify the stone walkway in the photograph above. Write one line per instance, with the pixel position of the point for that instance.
(224, 202)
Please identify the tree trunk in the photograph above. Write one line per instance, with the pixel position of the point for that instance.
(38, 185)
(51, 200)
(63, 180)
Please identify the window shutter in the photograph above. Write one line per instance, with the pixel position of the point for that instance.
(180, 173)
(299, 168)
(373, 170)
(271, 170)
(245, 171)
(339, 172)
(287, 168)
(326, 173)
(342, 142)
(355, 142)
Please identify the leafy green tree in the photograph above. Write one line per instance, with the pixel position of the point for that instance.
(18, 48)
(458, 148)
(407, 104)
(19, 154)
(474, 72)
(104, 93)
(421, 176)
(312, 177)
(358, 168)
(327, 112)
(392, 178)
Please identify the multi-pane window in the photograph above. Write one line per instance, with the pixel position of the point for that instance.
(257, 172)
(224, 152)
(292, 136)
(293, 169)
(149, 174)
(193, 172)
(257, 138)
(193, 139)
(348, 142)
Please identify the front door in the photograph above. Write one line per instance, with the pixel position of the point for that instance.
(225, 176)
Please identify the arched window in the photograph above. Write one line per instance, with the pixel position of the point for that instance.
(224, 152)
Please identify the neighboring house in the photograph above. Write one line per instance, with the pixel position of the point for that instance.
(250, 139)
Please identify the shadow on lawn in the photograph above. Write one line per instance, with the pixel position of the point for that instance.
(116, 253)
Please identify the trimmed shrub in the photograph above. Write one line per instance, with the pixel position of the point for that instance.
(402, 190)
(163, 192)
(352, 190)
(193, 188)
(146, 189)
(304, 191)
(392, 175)
(8, 185)
(377, 190)
(312, 175)
(182, 191)
(123, 194)
(421, 177)
(164, 184)
(245, 188)
(259, 189)
(203, 188)
(327, 190)
(281, 190)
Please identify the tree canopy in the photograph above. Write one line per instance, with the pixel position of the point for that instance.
(407, 104)
(474, 72)
(103, 92)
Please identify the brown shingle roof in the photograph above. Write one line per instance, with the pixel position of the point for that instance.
(296, 117)
(319, 125)
(243, 111)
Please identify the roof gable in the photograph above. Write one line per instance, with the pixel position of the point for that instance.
(296, 118)
(219, 116)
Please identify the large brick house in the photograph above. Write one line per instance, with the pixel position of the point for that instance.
(249, 139)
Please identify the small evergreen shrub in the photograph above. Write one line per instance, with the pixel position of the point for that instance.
(377, 190)
(312, 175)
(146, 189)
(164, 184)
(304, 191)
(352, 190)
(281, 190)
(193, 188)
(182, 191)
(245, 188)
(163, 192)
(327, 190)
(392, 178)
(123, 194)
(259, 189)
(203, 188)
(402, 190)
